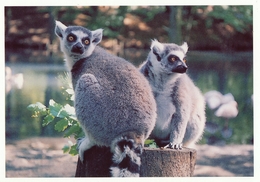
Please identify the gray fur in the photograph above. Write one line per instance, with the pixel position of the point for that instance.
(113, 101)
(117, 97)
(180, 104)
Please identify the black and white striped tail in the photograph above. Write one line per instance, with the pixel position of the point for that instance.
(126, 158)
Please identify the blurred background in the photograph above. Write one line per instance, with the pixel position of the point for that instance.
(220, 58)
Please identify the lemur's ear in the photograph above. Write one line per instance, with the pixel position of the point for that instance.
(157, 49)
(97, 36)
(185, 47)
(60, 29)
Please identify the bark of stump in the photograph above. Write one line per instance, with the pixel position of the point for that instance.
(155, 163)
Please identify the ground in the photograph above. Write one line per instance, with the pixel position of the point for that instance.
(43, 157)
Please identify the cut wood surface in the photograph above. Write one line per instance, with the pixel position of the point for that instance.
(168, 162)
(155, 163)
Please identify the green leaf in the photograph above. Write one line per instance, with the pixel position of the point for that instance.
(47, 119)
(75, 130)
(57, 109)
(70, 91)
(61, 125)
(73, 150)
(69, 110)
(72, 117)
(38, 109)
(148, 141)
(153, 145)
(66, 149)
(71, 94)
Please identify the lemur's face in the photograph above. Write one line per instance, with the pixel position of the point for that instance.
(169, 58)
(77, 41)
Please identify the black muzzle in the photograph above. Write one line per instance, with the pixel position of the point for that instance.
(78, 48)
(180, 69)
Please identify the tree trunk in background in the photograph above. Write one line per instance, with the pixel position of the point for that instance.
(52, 15)
(8, 14)
(155, 163)
(174, 31)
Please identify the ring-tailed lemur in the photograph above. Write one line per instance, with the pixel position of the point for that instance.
(113, 101)
(180, 104)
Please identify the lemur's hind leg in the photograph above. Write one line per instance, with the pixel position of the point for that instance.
(86, 84)
(84, 144)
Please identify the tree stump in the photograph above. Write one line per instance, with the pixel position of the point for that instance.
(168, 162)
(155, 163)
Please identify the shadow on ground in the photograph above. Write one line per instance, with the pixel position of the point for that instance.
(225, 161)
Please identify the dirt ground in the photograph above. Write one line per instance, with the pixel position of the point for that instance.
(43, 157)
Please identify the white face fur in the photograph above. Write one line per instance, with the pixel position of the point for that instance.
(77, 42)
(168, 58)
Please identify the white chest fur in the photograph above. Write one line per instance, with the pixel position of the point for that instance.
(165, 110)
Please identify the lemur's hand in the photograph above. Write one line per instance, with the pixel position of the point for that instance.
(174, 146)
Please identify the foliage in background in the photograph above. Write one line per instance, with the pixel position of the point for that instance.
(222, 28)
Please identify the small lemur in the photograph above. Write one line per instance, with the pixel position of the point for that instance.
(113, 101)
(180, 104)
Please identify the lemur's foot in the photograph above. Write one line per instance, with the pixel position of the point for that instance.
(79, 141)
(174, 146)
(83, 144)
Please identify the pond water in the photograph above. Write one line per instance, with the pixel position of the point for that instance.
(225, 72)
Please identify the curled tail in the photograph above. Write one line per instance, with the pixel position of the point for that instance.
(126, 158)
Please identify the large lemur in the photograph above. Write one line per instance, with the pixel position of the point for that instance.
(113, 100)
(180, 104)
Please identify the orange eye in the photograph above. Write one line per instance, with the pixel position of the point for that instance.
(86, 41)
(173, 59)
(184, 60)
(70, 38)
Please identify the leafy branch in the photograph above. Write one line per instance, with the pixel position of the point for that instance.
(64, 117)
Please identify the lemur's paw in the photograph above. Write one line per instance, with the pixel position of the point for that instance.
(79, 149)
(84, 144)
(174, 146)
(79, 141)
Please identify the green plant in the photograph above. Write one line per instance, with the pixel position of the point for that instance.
(63, 116)
(150, 143)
